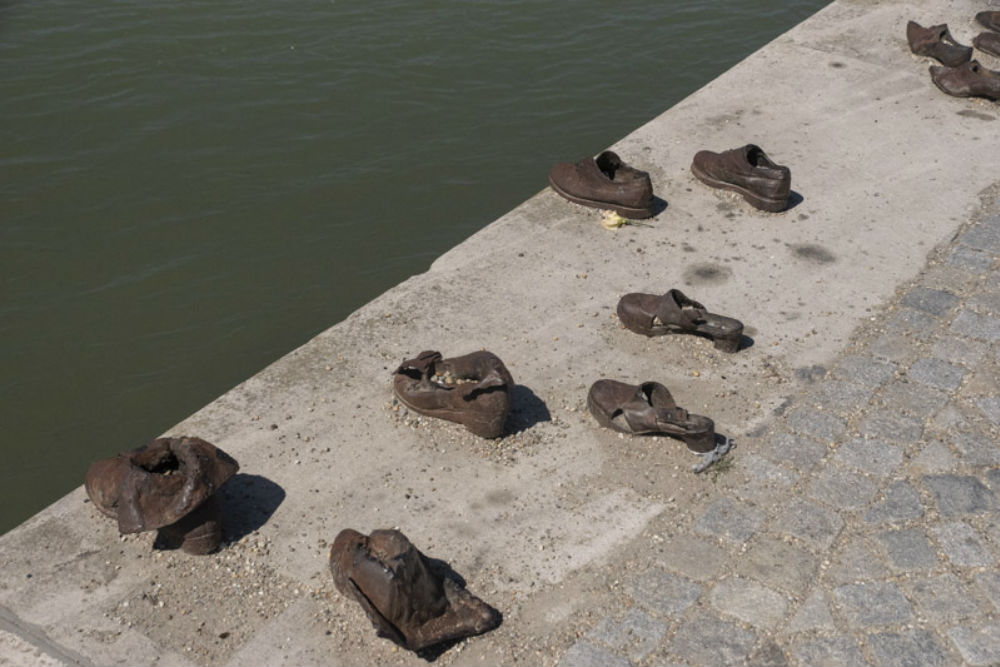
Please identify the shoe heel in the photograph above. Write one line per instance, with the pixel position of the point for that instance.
(728, 344)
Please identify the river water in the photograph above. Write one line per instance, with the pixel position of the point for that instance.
(190, 190)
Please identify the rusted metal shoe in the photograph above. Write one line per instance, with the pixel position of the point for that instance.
(936, 42)
(748, 171)
(989, 20)
(968, 80)
(404, 596)
(605, 182)
(472, 390)
(988, 42)
(648, 409)
(167, 485)
(652, 315)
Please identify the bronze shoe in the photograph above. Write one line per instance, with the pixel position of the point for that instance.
(605, 182)
(936, 42)
(472, 390)
(989, 19)
(988, 42)
(648, 409)
(968, 80)
(653, 315)
(748, 171)
(167, 485)
(403, 596)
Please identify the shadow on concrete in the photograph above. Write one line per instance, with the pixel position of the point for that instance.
(248, 501)
(794, 199)
(526, 410)
(745, 342)
(659, 205)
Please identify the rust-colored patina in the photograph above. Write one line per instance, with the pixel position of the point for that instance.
(652, 315)
(473, 390)
(605, 182)
(936, 42)
(648, 409)
(748, 171)
(968, 80)
(403, 593)
(167, 485)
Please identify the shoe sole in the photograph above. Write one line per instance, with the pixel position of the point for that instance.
(628, 212)
(763, 203)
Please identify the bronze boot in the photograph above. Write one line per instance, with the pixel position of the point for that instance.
(403, 596)
(169, 483)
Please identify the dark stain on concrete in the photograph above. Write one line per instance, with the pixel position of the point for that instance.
(502, 497)
(707, 274)
(837, 65)
(812, 252)
(975, 114)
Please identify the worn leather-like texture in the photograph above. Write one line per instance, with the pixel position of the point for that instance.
(405, 596)
(477, 395)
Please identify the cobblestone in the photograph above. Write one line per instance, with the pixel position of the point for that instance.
(892, 425)
(908, 549)
(800, 451)
(828, 651)
(937, 373)
(990, 405)
(693, 557)
(977, 450)
(729, 520)
(913, 398)
(962, 544)
(899, 503)
(978, 646)
(969, 259)
(871, 456)
(585, 654)
(989, 584)
(707, 640)
(779, 564)
(810, 523)
(663, 592)
(869, 604)
(842, 489)
(816, 423)
(907, 649)
(972, 324)
(911, 323)
(962, 351)
(867, 371)
(984, 235)
(749, 601)
(814, 614)
(855, 561)
(935, 302)
(638, 634)
(957, 495)
(942, 598)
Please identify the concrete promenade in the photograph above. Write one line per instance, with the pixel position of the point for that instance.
(856, 522)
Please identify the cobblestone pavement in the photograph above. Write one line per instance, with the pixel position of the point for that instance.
(864, 529)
